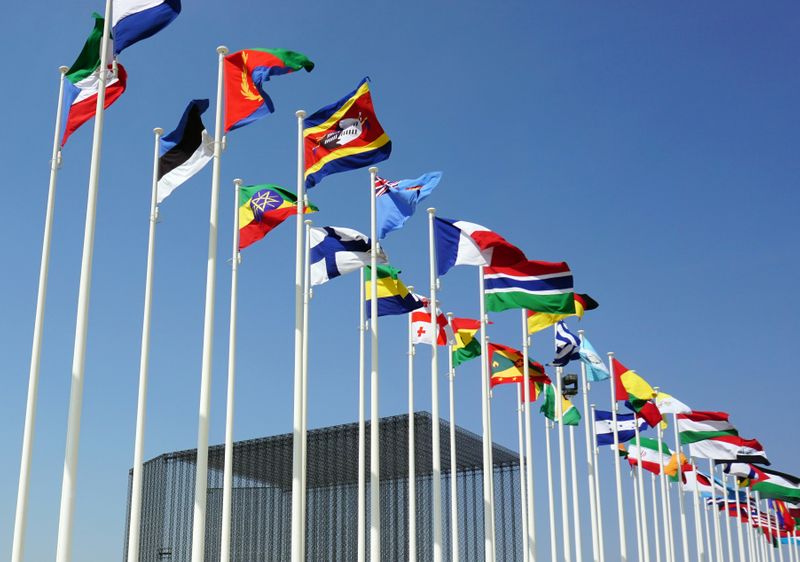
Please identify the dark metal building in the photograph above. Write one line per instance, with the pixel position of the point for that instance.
(262, 497)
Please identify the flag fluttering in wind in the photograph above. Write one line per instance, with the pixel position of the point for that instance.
(648, 453)
(626, 427)
(538, 321)
(596, 369)
(668, 404)
(246, 74)
(397, 200)
(185, 151)
(775, 485)
(535, 285)
(569, 413)
(345, 135)
(711, 436)
(134, 20)
(693, 478)
(636, 392)
(466, 345)
(83, 82)
(394, 298)
(536, 389)
(467, 243)
(506, 366)
(263, 207)
(421, 325)
(336, 250)
(567, 345)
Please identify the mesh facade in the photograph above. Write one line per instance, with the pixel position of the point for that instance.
(262, 497)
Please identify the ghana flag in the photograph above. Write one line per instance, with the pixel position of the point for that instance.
(540, 320)
(467, 346)
(506, 366)
(343, 136)
(262, 208)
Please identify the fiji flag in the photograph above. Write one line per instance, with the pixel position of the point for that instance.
(134, 20)
(397, 200)
(336, 251)
(567, 345)
(345, 135)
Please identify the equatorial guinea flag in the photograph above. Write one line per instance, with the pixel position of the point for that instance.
(535, 285)
(134, 20)
(185, 151)
(467, 243)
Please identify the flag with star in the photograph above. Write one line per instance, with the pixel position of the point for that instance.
(263, 207)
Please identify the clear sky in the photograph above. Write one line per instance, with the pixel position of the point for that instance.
(652, 147)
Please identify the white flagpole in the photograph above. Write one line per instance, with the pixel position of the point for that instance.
(488, 472)
(666, 515)
(530, 492)
(706, 526)
(562, 466)
(670, 530)
(640, 484)
(751, 551)
(374, 439)
(201, 474)
(298, 514)
(576, 516)
(714, 512)
(522, 485)
(491, 480)
(739, 535)
(551, 503)
(70, 478)
(698, 523)
(623, 548)
(593, 506)
(412, 469)
(598, 503)
(453, 458)
(436, 477)
(307, 294)
(362, 445)
(227, 475)
(681, 500)
(656, 533)
(21, 515)
(726, 517)
(637, 516)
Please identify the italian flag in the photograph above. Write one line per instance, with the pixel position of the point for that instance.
(571, 415)
(83, 82)
(649, 455)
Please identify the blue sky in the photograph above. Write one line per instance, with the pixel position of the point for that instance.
(652, 147)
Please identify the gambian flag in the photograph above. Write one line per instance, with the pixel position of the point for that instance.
(246, 74)
(185, 151)
(467, 243)
(538, 321)
(83, 82)
(393, 296)
(649, 455)
(636, 392)
(776, 485)
(506, 366)
(262, 208)
(345, 135)
(467, 346)
(536, 285)
(571, 415)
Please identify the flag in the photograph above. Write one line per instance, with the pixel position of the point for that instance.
(336, 250)
(397, 200)
(636, 392)
(626, 427)
(421, 325)
(345, 135)
(710, 435)
(262, 208)
(246, 74)
(567, 345)
(134, 20)
(596, 370)
(535, 285)
(649, 454)
(467, 346)
(668, 404)
(693, 478)
(506, 366)
(185, 151)
(776, 485)
(393, 296)
(785, 519)
(536, 389)
(538, 321)
(83, 82)
(467, 243)
(570, 414)
(671, 469)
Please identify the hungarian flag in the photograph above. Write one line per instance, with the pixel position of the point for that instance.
(636, 392)
(421, 326)
(344, 135)
(467, 346)
(538, 321)
(569, 414)
(506, 366)
(246, 74)
(467, 243)
(83, 82)
(262, 208)
(535, 285)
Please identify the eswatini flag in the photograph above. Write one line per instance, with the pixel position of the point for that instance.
(262, 208)
(467, 243)
(83, 82)
(246, 74)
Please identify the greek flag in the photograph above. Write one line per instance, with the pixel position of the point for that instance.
(567, 345)
(336, 251)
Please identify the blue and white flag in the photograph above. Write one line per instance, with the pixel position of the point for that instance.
(567, 345)
(596, 370)
(397, 200)
(134, 20)
(185, 151)
(626, 427)
(336, 251)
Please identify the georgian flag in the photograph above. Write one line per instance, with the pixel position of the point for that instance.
(421, 326)
(467, 243)
(336, 250)
(134, 20)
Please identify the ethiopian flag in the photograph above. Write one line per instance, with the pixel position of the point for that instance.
(569, 412)
(467, 346)
(262, 208)
(506, 366)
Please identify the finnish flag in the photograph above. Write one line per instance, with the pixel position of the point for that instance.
(336, 250)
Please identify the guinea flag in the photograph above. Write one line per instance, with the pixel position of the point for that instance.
(262, 208)
(246, 73)
(506, 366)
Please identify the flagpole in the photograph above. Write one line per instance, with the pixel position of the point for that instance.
(593, 507)
(714, 513)
(640, 484)
(21, 514)
(70, 477)
(595, 463)
(201, 470)
(436, 477)
(491, 480)
(739, 536)
(522, 484)
(562, 466)
(362, 446)
(670, 526)
(623, 548)
(374, 439)
(576, 517)
(412, 469)
(637, 516)
(227, 476)
(681, 500)
(488, 473)
(530, 492)
(706, 527)
(307, 295)
(551, 504)
(727, 518)
(453, 458)
(751, 551)
(298, 515)
(665, 513)
(708, 532)
(656, 537)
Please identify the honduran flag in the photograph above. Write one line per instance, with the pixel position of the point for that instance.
(134, 20)
(185, 151)
(467, 243)
(83, 82)
(626, 427)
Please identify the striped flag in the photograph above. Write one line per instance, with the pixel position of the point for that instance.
(467, 243)
(596, 370)
(467, 345)
(711, 436)
(134, 20)
(626, 427)
(535, 285)
(567, 345)
(776, 485)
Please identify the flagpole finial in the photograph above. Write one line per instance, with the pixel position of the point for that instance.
(449, 314)
(222, 50)
(237, 182)
(410, 288)
(308, 222)
(611, 354)
(373, 170)
(431, 210)
(158, 131)
(581, 332)
(63, 69)
(300, 113)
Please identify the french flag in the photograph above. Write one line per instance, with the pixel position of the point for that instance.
(134, 20)
(467, 243)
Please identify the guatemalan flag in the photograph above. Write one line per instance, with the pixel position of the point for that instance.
(134, 20)
(467, 243)
(336, 251)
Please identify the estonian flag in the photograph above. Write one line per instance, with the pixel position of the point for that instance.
(134, 20)
(184, 151)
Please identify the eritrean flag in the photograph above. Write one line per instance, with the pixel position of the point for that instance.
(506, 366)
(393, 296)
(467, 346)
(636, 391)
(262, 208)
(345, 135)
(246, 73)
